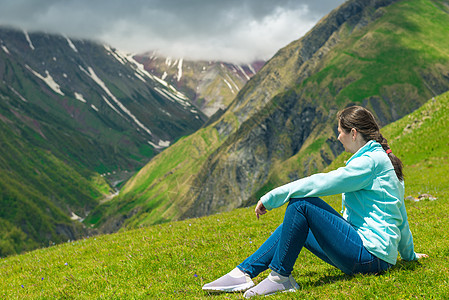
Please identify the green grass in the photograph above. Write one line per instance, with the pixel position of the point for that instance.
(173, 260)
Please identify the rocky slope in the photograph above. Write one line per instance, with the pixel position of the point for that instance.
(365, 53)
(210, 85)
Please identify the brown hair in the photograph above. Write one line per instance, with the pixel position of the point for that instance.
(363, 120)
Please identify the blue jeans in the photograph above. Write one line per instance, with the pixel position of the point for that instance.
(312, 223)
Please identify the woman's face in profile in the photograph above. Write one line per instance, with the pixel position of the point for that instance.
(344, 138)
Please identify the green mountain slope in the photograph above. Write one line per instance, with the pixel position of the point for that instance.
(387, 55)
(173, 260)
(39, 194)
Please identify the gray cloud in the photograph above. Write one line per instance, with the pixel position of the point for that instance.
(230, 30)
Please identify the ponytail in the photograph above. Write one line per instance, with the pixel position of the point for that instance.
(397, 163)
(363, 120)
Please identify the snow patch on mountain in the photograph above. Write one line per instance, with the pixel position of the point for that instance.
(163, 82)
(128, 58)
(93, 107)
(111, 106)
(97, 80)
(115, 55)
(48, 79)
(180, 69)
(165, 112)
(168, 61)
(229, 85)
(250, 67)
(17, 94)
(171, 93)
(160, 145)
(27, 37)
(71, 44)
(5, 49)
(140, 77)
(139, 67)
(243, 72)
(233, 83)
(174, 96)
(80, 97)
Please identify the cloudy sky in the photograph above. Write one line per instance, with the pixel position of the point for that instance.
(229, 30)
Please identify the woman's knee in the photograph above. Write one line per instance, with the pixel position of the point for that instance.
(296, 205)
(303, 201)
(301, 204)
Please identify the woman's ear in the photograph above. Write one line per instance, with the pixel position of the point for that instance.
(354, 133)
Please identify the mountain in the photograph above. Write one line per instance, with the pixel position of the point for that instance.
(90, 102)
(210, 85)
(71, 110)
(389, 56)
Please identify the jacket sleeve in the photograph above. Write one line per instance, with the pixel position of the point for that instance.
(405, 247)
(357, 175)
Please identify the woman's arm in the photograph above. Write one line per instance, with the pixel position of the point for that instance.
(355, 176)
(406, 247)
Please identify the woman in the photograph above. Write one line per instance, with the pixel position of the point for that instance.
(366, 239)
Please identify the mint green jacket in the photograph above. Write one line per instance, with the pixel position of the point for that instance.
(373, 198)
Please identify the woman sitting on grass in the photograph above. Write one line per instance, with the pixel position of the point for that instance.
(366, 239)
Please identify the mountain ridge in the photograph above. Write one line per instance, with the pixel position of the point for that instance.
(211, 85)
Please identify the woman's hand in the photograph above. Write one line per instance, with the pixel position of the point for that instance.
(421, 255)
(260, 209)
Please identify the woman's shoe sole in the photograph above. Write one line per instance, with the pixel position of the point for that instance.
(229, 289)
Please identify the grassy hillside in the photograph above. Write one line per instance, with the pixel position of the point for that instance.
(281, 125)
(390, 56)
(173, 260)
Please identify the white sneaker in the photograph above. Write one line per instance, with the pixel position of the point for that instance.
(230, 283)
(272, 284)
